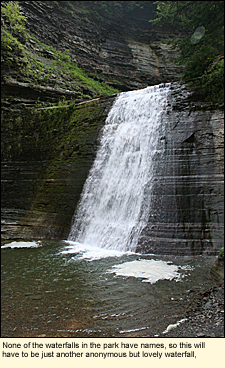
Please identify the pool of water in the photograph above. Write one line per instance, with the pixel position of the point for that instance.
(61, 289)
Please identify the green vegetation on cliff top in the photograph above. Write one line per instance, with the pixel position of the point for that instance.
(25, 58)
(202, 50)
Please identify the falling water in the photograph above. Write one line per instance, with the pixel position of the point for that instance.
(112, 211)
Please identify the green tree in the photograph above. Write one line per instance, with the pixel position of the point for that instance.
(201, 49)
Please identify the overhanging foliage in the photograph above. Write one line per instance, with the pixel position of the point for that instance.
(202, 50)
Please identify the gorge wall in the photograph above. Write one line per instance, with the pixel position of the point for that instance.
(125, 50)
(48, 148)
(42, 180)
(187, 209)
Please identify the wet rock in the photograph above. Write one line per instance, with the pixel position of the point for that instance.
(186, 215)
(34, 203)
(204, 319)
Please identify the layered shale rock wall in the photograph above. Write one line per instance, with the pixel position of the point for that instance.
(42, 182)
(187, 193)
(128, 53)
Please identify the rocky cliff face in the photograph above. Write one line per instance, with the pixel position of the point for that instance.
(187, 209)
(42, 180)
(48, 148)
(43, 156)
(127, 52)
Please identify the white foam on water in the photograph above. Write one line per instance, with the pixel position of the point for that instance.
(149, 270)
(134, 330)
(172, 326)
(89, 252)
(22, 244)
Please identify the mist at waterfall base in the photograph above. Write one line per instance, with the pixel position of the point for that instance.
(94, 284)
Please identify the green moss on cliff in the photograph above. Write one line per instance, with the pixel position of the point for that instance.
(13, 36)
(73, 151)
(27, 59)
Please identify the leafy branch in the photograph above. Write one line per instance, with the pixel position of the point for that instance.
(201, 49)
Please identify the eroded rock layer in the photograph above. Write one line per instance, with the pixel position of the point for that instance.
(128, 53)
(187, 193)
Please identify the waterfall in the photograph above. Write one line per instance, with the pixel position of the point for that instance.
(112, 212)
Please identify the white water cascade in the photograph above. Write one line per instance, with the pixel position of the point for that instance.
(112, 211)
